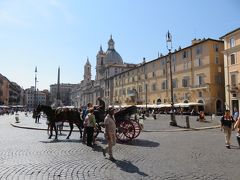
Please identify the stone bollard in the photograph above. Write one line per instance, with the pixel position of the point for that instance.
(238, 140)
(213, 117)
(187, 122)
(17, 117)
(154, 116)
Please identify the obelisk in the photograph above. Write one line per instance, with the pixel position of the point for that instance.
(58, 85)
(57, 102)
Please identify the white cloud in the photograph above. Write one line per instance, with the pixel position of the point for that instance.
(25, 12)
(62, 9)
(6, 17)
(9, 14)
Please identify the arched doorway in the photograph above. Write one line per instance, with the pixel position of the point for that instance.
(219, 106)
(200, 108)
(159, 101)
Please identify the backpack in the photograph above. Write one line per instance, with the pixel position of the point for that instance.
(86, 121)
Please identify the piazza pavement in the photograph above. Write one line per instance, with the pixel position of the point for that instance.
(159, 152)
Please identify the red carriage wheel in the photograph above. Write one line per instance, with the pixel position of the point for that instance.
(125, 131)
(137, 128)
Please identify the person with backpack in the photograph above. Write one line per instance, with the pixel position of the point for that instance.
(90, 125)
(84, 115)
(237, 128)
(227, 125)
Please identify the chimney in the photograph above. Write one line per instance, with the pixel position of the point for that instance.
(195, 41)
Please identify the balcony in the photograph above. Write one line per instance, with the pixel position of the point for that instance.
(200, 87)
(233, 89)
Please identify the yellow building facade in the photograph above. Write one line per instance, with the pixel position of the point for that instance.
(197, 76)
(4, 90)
(232, 68)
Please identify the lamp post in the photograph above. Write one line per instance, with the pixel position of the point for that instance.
(35, 89)
(169, 47)
(135, 95)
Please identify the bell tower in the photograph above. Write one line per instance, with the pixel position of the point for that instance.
(100, 63)
(87, 71)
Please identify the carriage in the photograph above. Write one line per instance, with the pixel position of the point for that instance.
(128, 126)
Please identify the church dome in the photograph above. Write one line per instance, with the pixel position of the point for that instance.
(112, 56)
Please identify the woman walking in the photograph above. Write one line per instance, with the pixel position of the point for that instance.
(226, 124)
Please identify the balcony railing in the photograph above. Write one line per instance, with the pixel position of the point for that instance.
(200, 86)
(233, 89)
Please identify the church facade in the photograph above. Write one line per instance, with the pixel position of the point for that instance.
(108, 64)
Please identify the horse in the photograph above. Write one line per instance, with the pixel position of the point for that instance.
(72, 116)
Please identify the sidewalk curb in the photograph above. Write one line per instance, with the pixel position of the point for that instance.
(171, 130)
(27, 127)
(184, 129)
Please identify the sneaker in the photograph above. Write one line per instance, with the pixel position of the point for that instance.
(112, 159)
(228, 146)
(104, 152)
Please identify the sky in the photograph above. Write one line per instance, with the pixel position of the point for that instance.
(48, 34)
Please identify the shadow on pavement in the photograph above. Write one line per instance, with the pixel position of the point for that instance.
(62, 140)
(143, 143)
(127, 166)
(235, 147)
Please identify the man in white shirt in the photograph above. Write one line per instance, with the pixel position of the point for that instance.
(110, 133)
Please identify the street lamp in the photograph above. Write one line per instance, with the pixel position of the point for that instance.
(135, 95)
(169, 47)
(35, 90)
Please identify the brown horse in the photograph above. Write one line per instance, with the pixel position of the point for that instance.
(72, 116)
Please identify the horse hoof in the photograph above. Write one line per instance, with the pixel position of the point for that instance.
(67, 138)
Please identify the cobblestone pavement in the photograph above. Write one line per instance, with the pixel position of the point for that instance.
(28, 154)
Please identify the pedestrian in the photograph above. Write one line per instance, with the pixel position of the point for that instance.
(235, 114)
(85, 121)
(237, 128)
(110, 133)
(100, 112)
(227, 125)
(91, 124)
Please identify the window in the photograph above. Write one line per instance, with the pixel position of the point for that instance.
(140, 88)
(174, 59)
(116, 71)
(185, 82)
(174, 83)
(198, 50)
(232, 42)
(163, 62)
(219, 79)
(164, 84)
(200, 94)
(154, 88)
(200, 80)
(129, 91)
(233, 59)
(174, 68)
(198, 62)
(164, 71)
(124, 91)
(233, 79)
(153, 74)
(185, 66)
(185, 54)
(215, 47)
(216, 60)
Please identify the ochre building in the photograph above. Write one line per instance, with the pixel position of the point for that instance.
(197, 76)
(232, 68)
